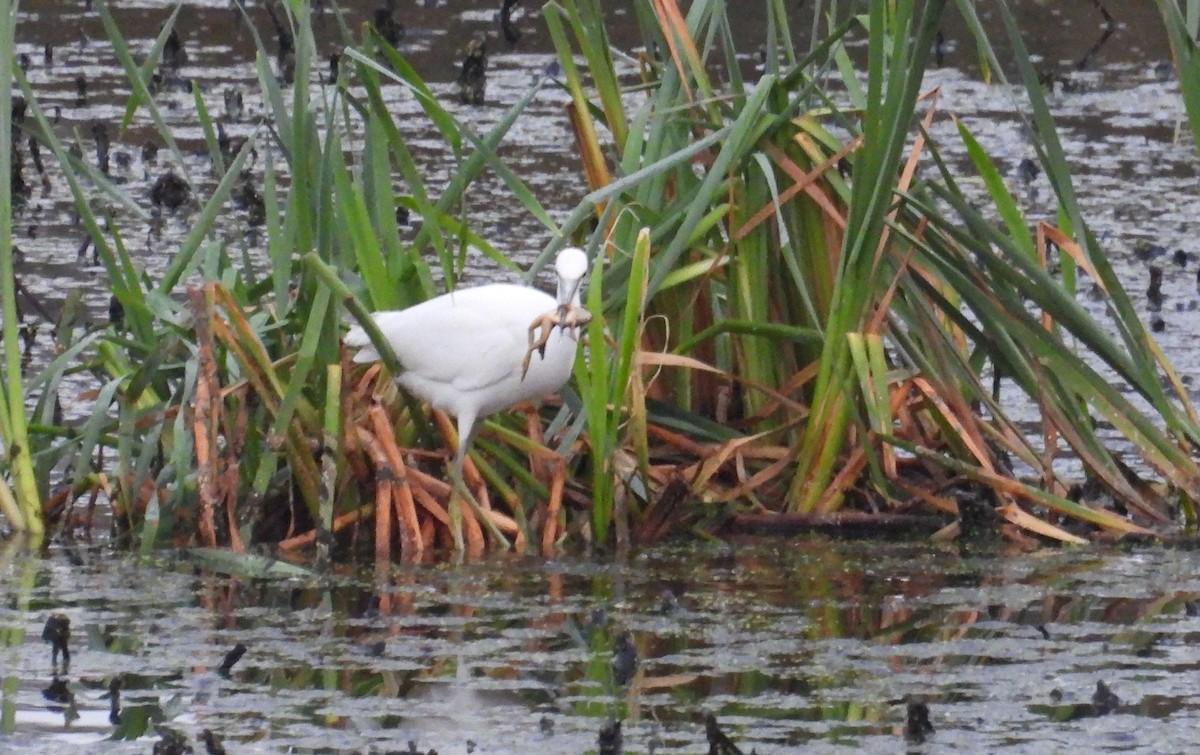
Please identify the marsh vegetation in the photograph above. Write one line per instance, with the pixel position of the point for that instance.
(821, 301)
(799, 310)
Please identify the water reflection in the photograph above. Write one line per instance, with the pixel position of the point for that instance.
(813, 643)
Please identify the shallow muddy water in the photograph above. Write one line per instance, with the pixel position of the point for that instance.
(814, 646)
(810, 644)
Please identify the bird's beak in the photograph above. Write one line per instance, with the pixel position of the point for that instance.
(568, 295)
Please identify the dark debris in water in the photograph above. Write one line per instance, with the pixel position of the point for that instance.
(231, 659)
(917, 726)
(114, 700)
(57, 631)
(1145, 251)
(610, 741)
(508, 26)
(170, 191)
(58, 692)
(174, 55)
(389, 28)
(719, 742)
(625, 659)
(472, 77)
(171, 742)
(247, 196)
(1104, 701)
(212, 743)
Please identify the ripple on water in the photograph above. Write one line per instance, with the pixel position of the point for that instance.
(516, 654)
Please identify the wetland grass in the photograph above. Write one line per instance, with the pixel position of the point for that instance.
(796, 308)
(224, 390)
(20, 497)
(841, 312)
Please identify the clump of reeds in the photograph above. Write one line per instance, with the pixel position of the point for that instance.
(824, 323)
(225, 414)
(787, 316)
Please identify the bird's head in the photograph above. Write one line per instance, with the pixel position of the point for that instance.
(571, 265)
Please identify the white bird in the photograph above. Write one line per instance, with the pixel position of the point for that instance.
(473, 352)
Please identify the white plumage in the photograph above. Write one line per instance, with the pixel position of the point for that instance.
(465, 352)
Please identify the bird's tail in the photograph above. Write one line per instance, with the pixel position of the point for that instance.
(357, 338)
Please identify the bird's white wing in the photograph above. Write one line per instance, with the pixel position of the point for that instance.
(471, 340)
(465, 348)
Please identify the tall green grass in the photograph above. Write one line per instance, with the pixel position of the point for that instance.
(1182, 29)
(810, 267)
(786, 316)
(20, 499)
(230, 399)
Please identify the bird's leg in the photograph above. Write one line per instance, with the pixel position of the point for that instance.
(459, 491)
(565, 317)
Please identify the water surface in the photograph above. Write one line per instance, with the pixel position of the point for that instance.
(813, 643)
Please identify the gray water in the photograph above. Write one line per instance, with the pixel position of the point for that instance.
(813, 644)
(806, 644)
